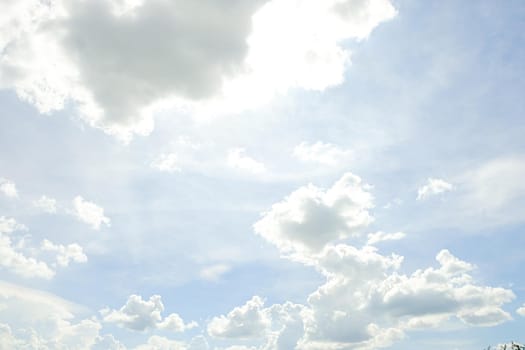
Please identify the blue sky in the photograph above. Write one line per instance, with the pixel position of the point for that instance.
(264, 175)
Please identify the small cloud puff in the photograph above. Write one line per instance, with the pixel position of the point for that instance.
(521, 310)
(238, 159)
(46, 204)
(8, 188)
(433, 187)
(320, 152)
(89, 213)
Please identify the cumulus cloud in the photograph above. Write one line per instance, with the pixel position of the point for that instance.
(246, 321)
(89, 213)
(20, 264)
(65, 254)
(8, 225)
(433, 187)
(521, 310)
(8, 188)
(115, 85)
(278, 326)
(138, 314)
(14, 258)
(310, 217)
(238, 159)
(52, 52)
(46, 204)
(320, 152)
(366, 302)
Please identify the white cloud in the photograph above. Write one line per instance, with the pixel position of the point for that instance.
(13, 257)
(78, 58)
(8, 188)
(138, 314)
(521, 310)
(168, 162)
(214, 272)
(46, 204)
(433, 187)
(297, 44)
(15, 261)
(246, 321)
(366, 302)
(320, 152)
(382, 236)
(8, 225)
(310, 217)
(156, 342)
(238, 159)
(65, 254)
(51, 53)
(89, 213)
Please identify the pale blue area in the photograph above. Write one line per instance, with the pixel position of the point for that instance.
(432, 93)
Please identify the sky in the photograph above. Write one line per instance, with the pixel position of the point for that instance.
(262, 174)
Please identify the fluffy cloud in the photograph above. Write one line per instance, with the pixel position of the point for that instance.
(46, 204)
(65, 254)
(206, 52)
(310, 217)
(366, 302)
(14, 258)
(90, 213)
(238, 159)
(320, 152)
(521, 311)
(433, 187)
(138, 314)
(8, 225)
(278, 326)
(8, 188)
(246, 321)
(114, 85)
